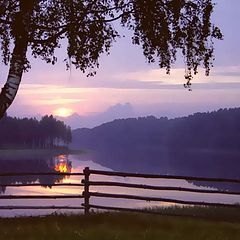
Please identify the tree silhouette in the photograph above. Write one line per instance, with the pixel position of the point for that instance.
(48, 133)
(161, 27)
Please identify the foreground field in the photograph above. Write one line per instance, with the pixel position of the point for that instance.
(118, 226)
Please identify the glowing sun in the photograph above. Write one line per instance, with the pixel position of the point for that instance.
(63, 112)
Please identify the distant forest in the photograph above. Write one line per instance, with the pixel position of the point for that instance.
(211, 130)
(202, 144)
(32, 133)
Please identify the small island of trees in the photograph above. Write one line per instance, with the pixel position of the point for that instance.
(47, 133)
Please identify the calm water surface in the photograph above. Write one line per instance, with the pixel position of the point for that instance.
(76, 163)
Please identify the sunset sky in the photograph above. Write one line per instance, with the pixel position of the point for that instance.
(125, 77)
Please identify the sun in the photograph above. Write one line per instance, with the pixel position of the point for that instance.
(63, 112)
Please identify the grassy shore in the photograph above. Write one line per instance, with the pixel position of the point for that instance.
(104, 226)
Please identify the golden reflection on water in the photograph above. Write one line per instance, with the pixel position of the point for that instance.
(62, 164)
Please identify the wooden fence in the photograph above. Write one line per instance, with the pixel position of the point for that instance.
(86, 195)
(75, 196)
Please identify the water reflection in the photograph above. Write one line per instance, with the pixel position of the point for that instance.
(62, 164)
(138, 161)
(198, 163)
(59, 163)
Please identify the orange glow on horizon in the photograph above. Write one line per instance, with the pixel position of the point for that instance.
(63, 112)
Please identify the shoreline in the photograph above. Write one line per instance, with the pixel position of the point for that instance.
(38, 152)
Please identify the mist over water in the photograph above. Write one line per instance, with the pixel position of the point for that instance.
(155, 161)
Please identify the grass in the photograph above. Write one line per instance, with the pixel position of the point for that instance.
(106, 226)
(204, 212)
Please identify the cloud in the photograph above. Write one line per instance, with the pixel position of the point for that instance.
(57, 101)
(158, 78)
(228, 74)
(92, 120)
(44, 89)
(230, 71)
(217, 85)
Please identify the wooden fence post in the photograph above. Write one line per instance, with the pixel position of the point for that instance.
(86, 194)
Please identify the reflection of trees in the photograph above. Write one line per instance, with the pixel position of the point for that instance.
(218, 186)
(43, 165)
(199, 163)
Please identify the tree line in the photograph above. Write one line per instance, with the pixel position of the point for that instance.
(46, 133)
(203, 144)
(211, 130)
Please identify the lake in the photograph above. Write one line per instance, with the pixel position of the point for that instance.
(76, 163)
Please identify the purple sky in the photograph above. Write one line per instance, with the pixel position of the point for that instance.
(124, 76)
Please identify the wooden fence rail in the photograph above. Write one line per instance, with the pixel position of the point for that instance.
(173, 177)
(160, 199)
(39, 207)
(162, 188)
(53, 207)
(39, 196)
(86, 195)
(43, 185)
(39, 173)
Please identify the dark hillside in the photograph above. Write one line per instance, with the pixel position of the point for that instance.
(219, 130)
(203, 144)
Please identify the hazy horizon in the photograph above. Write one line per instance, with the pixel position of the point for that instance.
(118, 111)
(125, 77)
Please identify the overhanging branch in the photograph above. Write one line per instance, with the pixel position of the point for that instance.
(5, 21)
(49, 39)
(110, 9)
(116, 18)
(41, 27)
(65, 27)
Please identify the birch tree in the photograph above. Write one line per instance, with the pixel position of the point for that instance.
(162, 28)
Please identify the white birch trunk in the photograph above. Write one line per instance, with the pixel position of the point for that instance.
(9, 91)
(20, 29)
